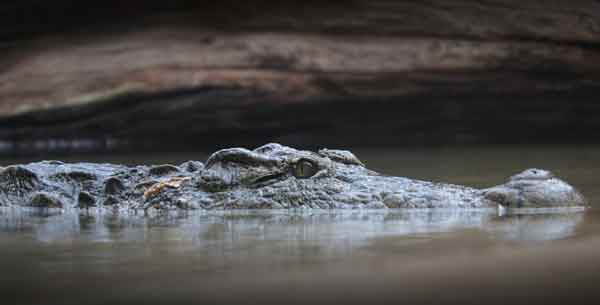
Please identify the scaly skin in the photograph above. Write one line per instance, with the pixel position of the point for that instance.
(271, 176)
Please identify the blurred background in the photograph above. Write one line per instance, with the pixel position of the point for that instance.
(187, 75)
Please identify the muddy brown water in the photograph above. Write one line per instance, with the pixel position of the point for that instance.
(311, 256)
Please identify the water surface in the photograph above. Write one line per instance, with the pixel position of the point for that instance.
(315, 256)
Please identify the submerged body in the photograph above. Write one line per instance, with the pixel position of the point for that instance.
(271, 176)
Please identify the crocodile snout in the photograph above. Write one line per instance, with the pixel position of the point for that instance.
(535, 188)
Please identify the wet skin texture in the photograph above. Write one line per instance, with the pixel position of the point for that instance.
(271, 176)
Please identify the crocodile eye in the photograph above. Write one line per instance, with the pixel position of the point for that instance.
(304, 169)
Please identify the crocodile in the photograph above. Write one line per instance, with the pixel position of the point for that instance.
(270, 176)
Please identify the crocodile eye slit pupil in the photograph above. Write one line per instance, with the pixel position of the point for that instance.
(304, 169)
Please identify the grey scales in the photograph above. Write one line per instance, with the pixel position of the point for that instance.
(272, 176)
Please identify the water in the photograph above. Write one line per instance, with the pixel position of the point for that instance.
(311, 256)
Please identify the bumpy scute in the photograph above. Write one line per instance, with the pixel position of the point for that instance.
(163, 170)
(18, 178)
(113, 186)
(85, 200)
(45, 200)
(342, 156)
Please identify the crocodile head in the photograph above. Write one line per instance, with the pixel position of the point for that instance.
(276, 176)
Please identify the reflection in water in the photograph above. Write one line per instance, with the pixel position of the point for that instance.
(536, 226)
(239, 257)
(329, 229)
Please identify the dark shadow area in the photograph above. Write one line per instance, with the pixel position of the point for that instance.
(202, 119)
